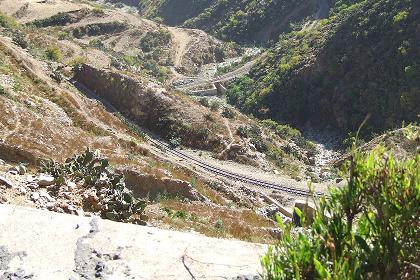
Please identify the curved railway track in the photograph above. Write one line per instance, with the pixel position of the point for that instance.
(212, 169)
(227, 174)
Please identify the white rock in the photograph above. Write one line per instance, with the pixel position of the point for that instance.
(13, 171)
(22, 190)
(35, 196)
(47, 196)
(46, 235)
(71, 184)
(30, 179)
(5, 182)
(45, 180)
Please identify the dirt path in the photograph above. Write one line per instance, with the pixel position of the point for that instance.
(181, 39)
(229, 130)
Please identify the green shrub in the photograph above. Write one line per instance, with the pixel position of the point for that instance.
(214, 106)
(54, 53)
(154, 39)
(259, 143)
(96, 43)
(204, 101)
(287, 132)
(94, 171)
(20, 40)
(77, 61)
(228, 112)
(243, 131)
(368, 229)
(219, 224)
(401, 16)
(175, 142)
(7, 22)
(180, 214)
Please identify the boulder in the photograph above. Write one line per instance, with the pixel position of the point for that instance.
(45, 180)
(143, 185)
(308, 210)
(11, 153)
(5, 182)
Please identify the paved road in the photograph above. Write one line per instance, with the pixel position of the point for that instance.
(241, 71)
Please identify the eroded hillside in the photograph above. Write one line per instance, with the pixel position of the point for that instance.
(75, 76)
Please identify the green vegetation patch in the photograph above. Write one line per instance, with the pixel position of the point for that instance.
(154, 39)
(368, 229)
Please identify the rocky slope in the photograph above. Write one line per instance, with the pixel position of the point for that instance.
(74, 77)
(360, 61)
(43, 118)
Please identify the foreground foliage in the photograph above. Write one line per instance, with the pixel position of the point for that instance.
(366, 230)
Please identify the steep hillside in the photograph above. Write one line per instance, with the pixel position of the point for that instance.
(362, 60)
(76, 77)
(244, 21)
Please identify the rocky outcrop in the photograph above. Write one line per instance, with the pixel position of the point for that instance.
(134, 99)
(168, 114)
(63, 18)
(92, 248)
(10, 153)
(143, 185)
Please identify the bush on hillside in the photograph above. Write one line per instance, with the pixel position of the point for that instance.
(7, 22)
(94, 172)
(154, 39)
(368, 229)
(54, 53)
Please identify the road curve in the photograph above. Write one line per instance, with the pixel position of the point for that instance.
(239, 72)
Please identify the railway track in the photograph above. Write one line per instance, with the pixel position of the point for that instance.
(227, 174)
(212, 169)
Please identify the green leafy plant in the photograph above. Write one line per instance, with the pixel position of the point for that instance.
(8, 22)
(368, 229)
(219, 224)
(20, 40)
(204, 101)
(228, 112)
(54, 53)
(154, 39)
(175, 142)
(214, 106)
(95, 172)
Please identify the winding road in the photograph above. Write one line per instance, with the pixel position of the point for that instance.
(239, 72)
(321, 13)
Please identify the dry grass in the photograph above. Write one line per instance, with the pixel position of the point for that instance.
(243, 224)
